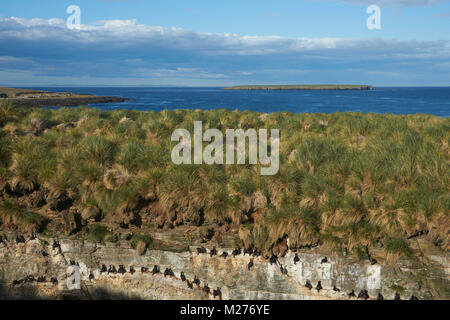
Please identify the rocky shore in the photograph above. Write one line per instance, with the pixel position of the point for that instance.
(34, 98)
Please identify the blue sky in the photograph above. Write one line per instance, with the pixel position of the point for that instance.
(215, 43)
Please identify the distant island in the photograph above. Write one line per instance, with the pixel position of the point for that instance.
(303, 87)
(36, 98)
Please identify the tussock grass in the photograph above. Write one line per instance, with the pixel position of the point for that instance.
(346, 180)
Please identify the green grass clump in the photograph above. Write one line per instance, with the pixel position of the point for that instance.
(98, 233)
(136, 238)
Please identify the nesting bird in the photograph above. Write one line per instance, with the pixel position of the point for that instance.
(250, 264)
(236, 252)
(319, 286)
(206, 288)
(373, 261)
(336, 289)
(189, 284)
(224, 254)
(91, 276)
(283, 270)
(20, 239)
(363, 294)
(352, 294)
(41, 279)
(273, 259)
(55, 244)
(380, 297)
(103, 269)
(217, 293)
(296, 259)
(413, 297)
(397, 296)
(213, 252)
(144, 269)
(201, 250)
(132, 270)
(249, 251)
(155, 270)
(168, 272)
(183, 277)
(54, 280)
(122, 270)
(324, 260)
(196, 281)
(308, 285)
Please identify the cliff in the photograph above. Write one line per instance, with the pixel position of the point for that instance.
(39, 258)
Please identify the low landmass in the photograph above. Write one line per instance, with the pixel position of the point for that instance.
(303, 87)
(36, 98)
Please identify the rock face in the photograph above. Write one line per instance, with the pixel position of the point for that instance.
(48, 259)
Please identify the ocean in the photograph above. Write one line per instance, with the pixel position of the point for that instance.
(394, 100)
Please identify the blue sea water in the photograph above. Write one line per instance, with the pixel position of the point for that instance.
(394, 100)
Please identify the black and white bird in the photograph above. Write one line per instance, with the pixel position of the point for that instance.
(296, 259)
(155, 270)
(224, 254)
(206, 288)
(201, 250)
(168, 272)
(91, 276)
(250, 264)
(380, 297)
(217, 293)
(236, 252)
(54, 280)
(352, 294)
(283, 270)
(144, 269)
(182, 276)
(308, 285)
(41, 279)
(132, 270)
(397, 296)
(324, 260)
(103, 269)
(319, 286)
(363, 294)
(189, 284)
(196, 281)
(213, 252)
(336, 289)
(413, 297)
(273, 259)
(122, 270)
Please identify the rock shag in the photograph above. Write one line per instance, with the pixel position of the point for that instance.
(256, 253)
(55, 245)
(224, 254)
(156, 270)
(196, 281)
(250, 264)
(319, 286)
(144, 269)
(352, 294)
(296, 259)
(103, 269)
(380, 297)
(283, 270)
(308, 285)
(213, 252)
(189, 284)
(363, 294)
(182, 276)
(206, 288)
(273, 259)
(91, 276)
(336, 289)
(168, 272)
(44, 254)
(201, 250)
(236, 252)
(122, 270)
(248, 251)
(41, 279)
(132, 270)
(413, 297)
(324, 260)
(54, 280)
(397, 296)
(217, 293)
(112, 269)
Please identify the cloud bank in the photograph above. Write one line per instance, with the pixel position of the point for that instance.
(123, 52)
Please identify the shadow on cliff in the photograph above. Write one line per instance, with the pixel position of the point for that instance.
(32, 293)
